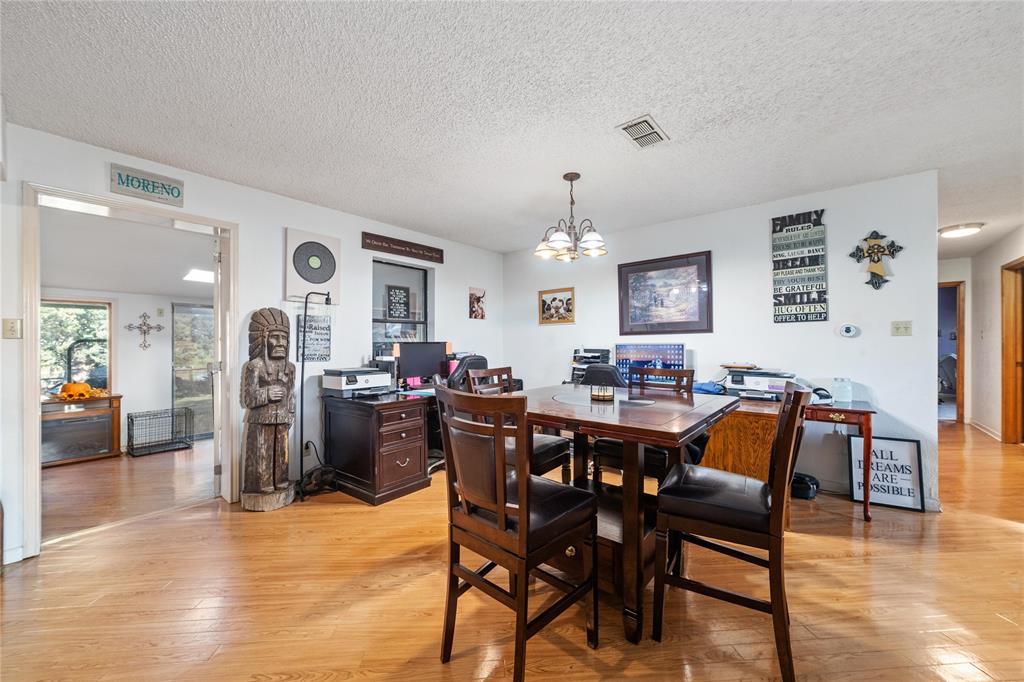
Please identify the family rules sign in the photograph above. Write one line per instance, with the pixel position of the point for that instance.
(799, 285)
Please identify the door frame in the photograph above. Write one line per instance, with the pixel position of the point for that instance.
(226, 438)
(1012, 301)
(961, 298)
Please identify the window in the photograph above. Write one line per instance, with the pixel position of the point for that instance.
(192, 349)
(74, 344)
(399, 305)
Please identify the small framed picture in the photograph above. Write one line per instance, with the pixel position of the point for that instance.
(557, 306)
(666, 295)
(477, 311)
(896, 476)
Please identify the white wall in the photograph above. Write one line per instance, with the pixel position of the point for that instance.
(50, 160)
(959, 270)
(143, 376)
(987, 330)
(896, 373)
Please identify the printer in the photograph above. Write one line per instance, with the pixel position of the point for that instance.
(353, 381)
(756, 383)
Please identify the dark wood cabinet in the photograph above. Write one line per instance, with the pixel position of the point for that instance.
(378, 444)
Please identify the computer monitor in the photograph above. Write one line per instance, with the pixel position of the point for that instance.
(422, 359)
(666, 355)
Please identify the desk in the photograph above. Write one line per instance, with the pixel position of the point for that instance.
(742, 442)
(626, 515)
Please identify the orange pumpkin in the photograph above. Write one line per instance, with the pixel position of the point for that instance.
(74, 390)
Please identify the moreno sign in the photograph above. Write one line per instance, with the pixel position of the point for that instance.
(144, 185)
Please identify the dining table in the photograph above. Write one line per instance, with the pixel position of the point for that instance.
(626, 514)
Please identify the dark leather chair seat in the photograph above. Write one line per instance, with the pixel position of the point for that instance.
(608, 453)
(549, 452)
(555, 508)
(716, 496)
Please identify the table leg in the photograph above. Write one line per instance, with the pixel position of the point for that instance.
(865, 431)
(632, 540)
(580, 455)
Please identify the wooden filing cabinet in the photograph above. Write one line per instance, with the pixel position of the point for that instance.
(378, 444)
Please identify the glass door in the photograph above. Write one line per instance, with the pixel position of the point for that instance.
(193, 351)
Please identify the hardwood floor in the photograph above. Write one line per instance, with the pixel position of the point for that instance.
(89, 494)
(332, 589)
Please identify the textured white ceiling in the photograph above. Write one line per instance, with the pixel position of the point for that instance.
(84, 251)
(458, 119)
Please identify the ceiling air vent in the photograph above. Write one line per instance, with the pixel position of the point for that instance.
(644, 132)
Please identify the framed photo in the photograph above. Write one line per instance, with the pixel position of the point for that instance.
(477, 311)
(896, 476)
(666, 295)
(557, 306)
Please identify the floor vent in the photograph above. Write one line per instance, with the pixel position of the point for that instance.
(644, 132)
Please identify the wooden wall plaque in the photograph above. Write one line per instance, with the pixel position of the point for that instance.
(400, 247)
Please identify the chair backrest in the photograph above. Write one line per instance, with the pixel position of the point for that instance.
(478, 434)
(490, 381)
(600, 374)
(788, 433)
(682, 379)
(458, 379)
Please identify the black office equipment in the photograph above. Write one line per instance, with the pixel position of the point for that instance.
(422, 359)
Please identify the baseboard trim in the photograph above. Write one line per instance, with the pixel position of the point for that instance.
(13, 555)
(987, 431)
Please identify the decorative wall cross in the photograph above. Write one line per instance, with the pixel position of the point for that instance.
(874, 250)
(144, 328)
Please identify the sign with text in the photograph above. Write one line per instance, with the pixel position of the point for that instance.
(398, 302)
(896, 476)
(400, 247)
(799, 284)
(318, 338)
(142, 184)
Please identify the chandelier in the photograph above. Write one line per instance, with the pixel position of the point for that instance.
(567, 240)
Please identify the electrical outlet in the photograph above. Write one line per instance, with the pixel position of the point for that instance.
(12, 328)
(902, 328)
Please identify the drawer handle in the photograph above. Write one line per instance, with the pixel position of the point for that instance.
(837, 416)
(403, 434)
(403, 464)
(570, 551)
(402, 416)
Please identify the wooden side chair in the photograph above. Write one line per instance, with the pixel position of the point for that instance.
(608, 451)
(696, 503)
(549, 451)
(515, 520)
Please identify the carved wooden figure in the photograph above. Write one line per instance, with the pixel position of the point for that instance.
(268, 383)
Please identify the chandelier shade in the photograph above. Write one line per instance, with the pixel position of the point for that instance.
(566, 240)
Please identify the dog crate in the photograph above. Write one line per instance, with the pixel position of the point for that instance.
(160, 431)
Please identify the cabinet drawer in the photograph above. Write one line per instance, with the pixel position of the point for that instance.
(412, 435)
(391, 417)
(399, 464)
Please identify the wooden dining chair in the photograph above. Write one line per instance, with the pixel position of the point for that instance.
(549, 451)
(696, 503)
(515, 520)
(608, 451)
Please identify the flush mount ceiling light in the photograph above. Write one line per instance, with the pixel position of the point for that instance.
(961, 230)
(566, 240)
(197, 275)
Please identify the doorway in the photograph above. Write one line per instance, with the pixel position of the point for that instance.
(88, 257)
(951, 357)
(1012, 295)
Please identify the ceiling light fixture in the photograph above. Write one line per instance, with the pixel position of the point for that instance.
(197, 275)
(961, 230)
(566, 240)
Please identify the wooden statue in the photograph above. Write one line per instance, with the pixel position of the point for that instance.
(268, 394)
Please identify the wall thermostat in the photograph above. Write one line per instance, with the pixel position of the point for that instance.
(849, 330)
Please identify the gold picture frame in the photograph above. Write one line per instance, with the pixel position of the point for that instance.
(556, 306)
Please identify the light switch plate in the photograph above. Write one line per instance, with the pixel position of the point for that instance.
(12, 328)
(902, 328)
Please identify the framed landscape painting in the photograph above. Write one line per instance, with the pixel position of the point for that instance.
(666, 295)
(557, 306)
